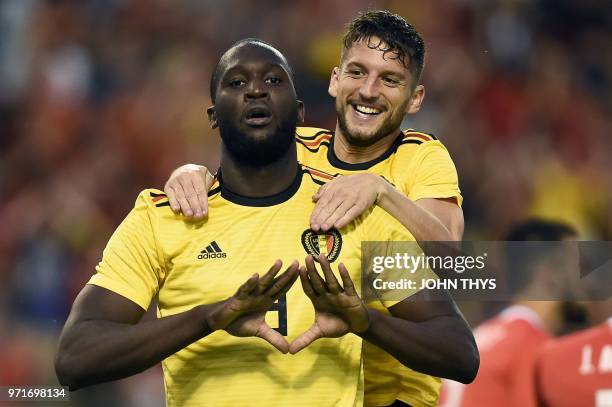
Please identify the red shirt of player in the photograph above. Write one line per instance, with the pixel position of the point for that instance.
(508, 344)
(576, 370)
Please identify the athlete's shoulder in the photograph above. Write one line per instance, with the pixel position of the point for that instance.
(415, 141)
(412, 136)
(317, 176)
(152, 198)
(422, 148)
(312, 138)
(311, 133)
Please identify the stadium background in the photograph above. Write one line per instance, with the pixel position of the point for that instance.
(100, 99)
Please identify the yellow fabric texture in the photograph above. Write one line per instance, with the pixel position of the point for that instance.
(155, 253)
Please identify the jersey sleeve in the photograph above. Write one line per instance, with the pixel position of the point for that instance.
(383, 239)
(433, 174)
(131, 265)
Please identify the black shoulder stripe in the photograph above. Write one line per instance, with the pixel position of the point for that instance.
(159, 205)
(155, 195)
(316, 181)
(411, 142)
(317, 134)
(313, 150)
(214, 191)
(383, 177)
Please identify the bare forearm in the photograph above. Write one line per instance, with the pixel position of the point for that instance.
(422, 224)
(95, 351)
(442, 346)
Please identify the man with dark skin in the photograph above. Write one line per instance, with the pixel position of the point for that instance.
(104, 340)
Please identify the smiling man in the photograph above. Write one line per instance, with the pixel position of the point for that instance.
(213, 312)
(408, 174)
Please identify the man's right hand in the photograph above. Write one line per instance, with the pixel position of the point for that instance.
(187, 190)
(244, 313)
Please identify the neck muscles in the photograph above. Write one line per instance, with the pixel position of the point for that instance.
(258, 181)
(361, 154)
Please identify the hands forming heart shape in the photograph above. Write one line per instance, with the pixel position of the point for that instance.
(338, 308)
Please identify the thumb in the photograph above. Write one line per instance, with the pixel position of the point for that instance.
(273, 338)
(305, 339)
(210, 178)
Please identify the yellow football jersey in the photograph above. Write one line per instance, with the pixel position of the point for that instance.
(155, 253)
(418, 165)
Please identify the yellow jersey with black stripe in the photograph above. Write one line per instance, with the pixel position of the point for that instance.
(155, 253)
(419, 166)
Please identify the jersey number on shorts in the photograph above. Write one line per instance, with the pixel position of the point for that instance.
(281, 307)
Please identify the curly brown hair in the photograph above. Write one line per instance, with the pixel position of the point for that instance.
(395, 35)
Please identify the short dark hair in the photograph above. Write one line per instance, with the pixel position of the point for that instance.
(222, 63)
(396, 36)
(522, 258)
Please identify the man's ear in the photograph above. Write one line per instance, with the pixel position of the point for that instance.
(301, 111)
(416, 100)
(333, 82)
(212, 117)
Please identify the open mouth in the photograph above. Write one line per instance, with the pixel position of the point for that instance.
(366, 111)
(258, 116)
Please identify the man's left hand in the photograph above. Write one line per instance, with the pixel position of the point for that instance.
(343, 199)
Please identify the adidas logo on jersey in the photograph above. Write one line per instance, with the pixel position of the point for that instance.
(212, 251)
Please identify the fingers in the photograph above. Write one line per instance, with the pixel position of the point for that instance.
(306, 286)
(325, 206)
(187, 190)
(200, 183)
(332, 283)
(183, 203)
(171, 194)
(267, 278)
(316, 281)
(245, 289)
(283, 283)
(191, 195)
(349, 287)
(344, 205)
(319, 193)
(350, 215)
(274, 338)
(176, 197)
(305, 339)
(313, 284)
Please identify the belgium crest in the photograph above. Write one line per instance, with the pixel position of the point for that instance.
(328, 243)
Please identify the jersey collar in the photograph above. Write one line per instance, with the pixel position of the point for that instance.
(262, 201)
(338, 163)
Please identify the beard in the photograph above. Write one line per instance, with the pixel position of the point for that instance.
(367, 138)
(263, 150)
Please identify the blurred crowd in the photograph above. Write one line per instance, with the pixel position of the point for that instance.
(100, 99)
